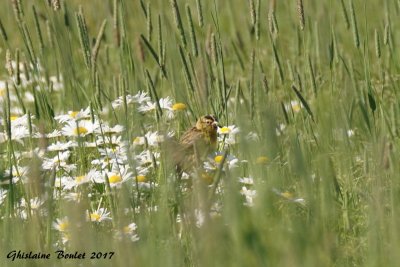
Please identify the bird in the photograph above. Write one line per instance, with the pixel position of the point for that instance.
(195, 144)
(186, 155)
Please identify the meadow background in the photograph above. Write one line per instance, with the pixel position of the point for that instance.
(306, 92)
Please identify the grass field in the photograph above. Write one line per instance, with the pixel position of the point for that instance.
(307, 167)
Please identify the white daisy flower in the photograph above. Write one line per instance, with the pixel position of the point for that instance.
(60, 181)
(139, 140)
(154, 139)
(130, 228)
(139, 98)
(167, 105)
(350, 133)
(146, 157)
(128, 232)
(279, 130)
(99, 215)
(146, 107)
(246, 180)
(214, 161)
(35, 203)
(81, 128)
(76, 181)
(249, 196)
(117, 102)
(65, 238)
(61, 225)
(227, 130)
(73, 116)
(59, 160)
(112, 130)
(18, 173)
(19, 132)
(119, 154)
(142, 183)
(109, 140)
(67, 167)
(142, 170)
(20, 120)
(60, 146)
(116, 177)
(227, 134)
(105, 162)
(294, 105)
(53, 134)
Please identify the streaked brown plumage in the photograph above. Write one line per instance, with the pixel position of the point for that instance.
(196, 143)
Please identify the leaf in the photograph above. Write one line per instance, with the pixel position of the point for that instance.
(285, 113)
(365, 115)
(372, 103)
(303, 101)
(153, 53)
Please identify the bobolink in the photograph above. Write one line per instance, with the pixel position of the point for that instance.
(196, 143)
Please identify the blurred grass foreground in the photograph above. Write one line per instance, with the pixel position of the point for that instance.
(94, 93)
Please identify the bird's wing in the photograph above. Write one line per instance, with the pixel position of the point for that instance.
(191, 137)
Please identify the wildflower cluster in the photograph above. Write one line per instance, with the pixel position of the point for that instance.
(82, 157)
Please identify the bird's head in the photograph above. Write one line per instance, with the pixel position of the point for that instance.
(208, 123)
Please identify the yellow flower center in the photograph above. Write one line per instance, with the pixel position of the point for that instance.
(79, 179)
(137, 140)
(2, 92)
(63, 226)
(287, 194)
(73, 113)
(95, 217)
(126, 230)
(218, 159)
(296, 107)
(57, 183)
(178, 106)
(225, 130)
(13, 118)
(66, 237)
(262, 160)
(80, 130)
(141, 178)
(16, 173)
(115, 178)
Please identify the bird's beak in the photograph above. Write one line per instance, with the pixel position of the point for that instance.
(215, 124)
